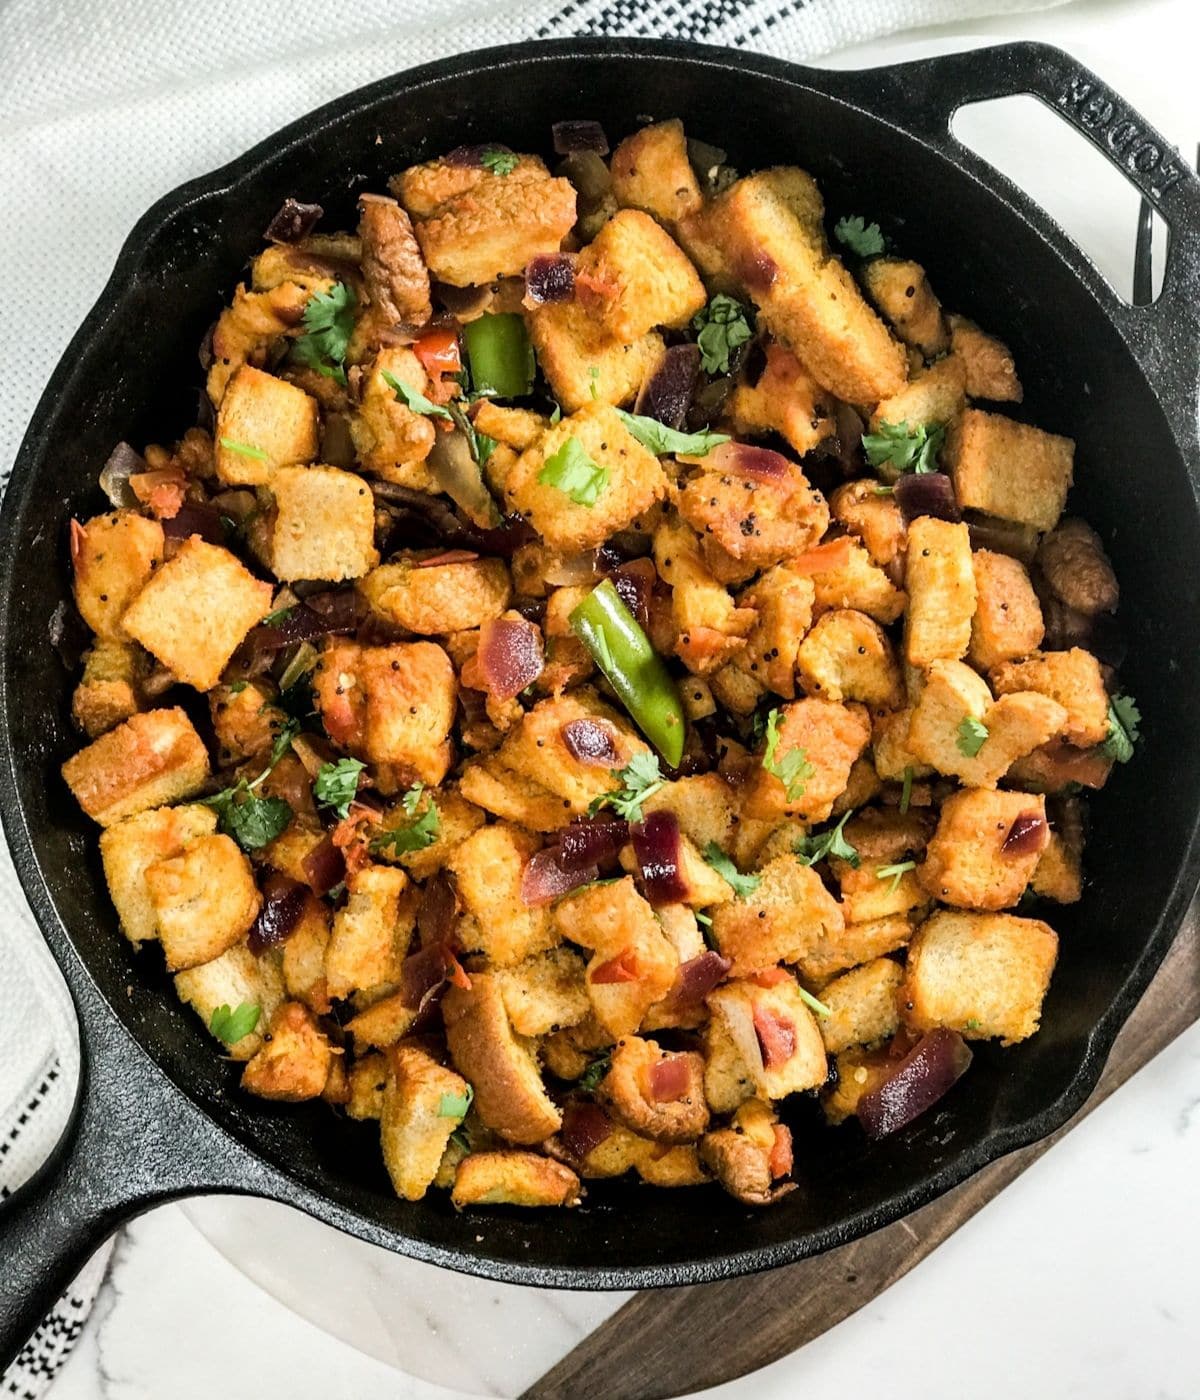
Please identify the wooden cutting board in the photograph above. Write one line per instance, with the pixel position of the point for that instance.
(645, 1352)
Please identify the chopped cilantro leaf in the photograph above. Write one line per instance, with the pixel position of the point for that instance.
(273, 619)
(499, 161)
(895, 873)
(741, 885)
(337, 784)
(417, 835)
(640, 778)
(820, 845)
(905, 448)
(412, 798)
(792, 769)
(455, 1105)
(662, 440)
(328, 326)
(231, 1025)
(590, 1079)
(410, 398)
(722, 327)
(1124, 717)
(860, 237)
(571, 471)
(972, 735)
(252, 821)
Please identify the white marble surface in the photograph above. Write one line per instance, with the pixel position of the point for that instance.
(1081, 1280)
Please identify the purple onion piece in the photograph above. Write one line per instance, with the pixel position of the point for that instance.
(437, 911)
(293, 221)
(546, 878)
(667, 394)
(283, 904)
(194, 519)
(424, 975)
(695, 979)
(590, 743)
(927, 493)
(317, 617)
(572, 136)
(470, 157)
(658, 846)
(587, 844)
(758, 463)
(925, 1074)
(509, 657)
(550, 277)
(1026, 836)
(634, 583)
(324, 867)
(451, 529)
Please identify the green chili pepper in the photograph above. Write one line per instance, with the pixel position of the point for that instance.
(632, 667)
(500, 355)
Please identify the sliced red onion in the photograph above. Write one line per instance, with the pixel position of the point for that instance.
(585, 1126)
(437, 911)
(927, 493)
(695, 979)
(470, 157)
(509, 657)
(283, 904)
(545, 878)
(667, 394)
(293, 221)
(585, 845)
(758, 463)
(123, 462)
(425, 975)
(776, 1036)
(758, 272)
(939, 1059)
(549, 277)
(573, 136)
(446, 556)
(334, 611)
(324, 867)
(635, 583)
(194, 519)
(591, 743)
(450, 528)
(668, 1080)
(622, 968)
(658, 846)
(1027, 836)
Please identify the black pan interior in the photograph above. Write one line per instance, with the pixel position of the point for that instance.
(134, 375)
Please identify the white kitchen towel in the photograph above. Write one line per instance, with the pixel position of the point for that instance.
(106, 104)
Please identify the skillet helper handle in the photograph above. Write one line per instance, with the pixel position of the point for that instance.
(132, 1143)
(922, 97)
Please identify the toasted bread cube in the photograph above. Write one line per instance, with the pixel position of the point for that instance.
(651, 171)
(392, 440)
(1073, 678)
(889, 748)
(634, 481)
(862, 1006)
(513, 1179)
(234, 979)
(859, 1072)
(493, 229)
(988, 362)
(413, 1128)
(967, 864)
(438, 598)
(112, 557)
(151, 760)
(195, 611)
(583, 361)
(753, 528)
(633, 965)
(832, 736)
(1058, 874)
(130, 847)
(391, 704)
(656, 1093)
(488, 868)
(636, 277)
(782, 920)
(710, 627)
(263, 423)
(537, 750)
(248, 327)
(457, 819)
(775, 1034)
(424, 189)
(1058, 766)
(858, 584)
(204, 900)
(783, 602)
(324, 525)
(858, 944)
(371, 932)
(245, 720)
(875, 518)
(766, 232)
(1008, 617)
(109, 690)
(750, 1155)
(705, 806)
(983, 975)
(512, 796)
(545, 992)
(368, 1078)
(384, 1022)
(727, 1078)
(941, 591)
(902, 292)
(518, 428)
(847, 656)
(786, 400)
(304, 956)
(295, 1062)
(1015, 725)
(933, 396)
(1009, 469)
(510, 1097)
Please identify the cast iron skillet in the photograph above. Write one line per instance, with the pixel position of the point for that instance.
(159, 1115)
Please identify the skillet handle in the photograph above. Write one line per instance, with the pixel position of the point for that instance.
(922, 97)
(133, 1142)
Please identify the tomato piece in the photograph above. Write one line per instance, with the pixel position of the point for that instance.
(438, 351)
(622, 968)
